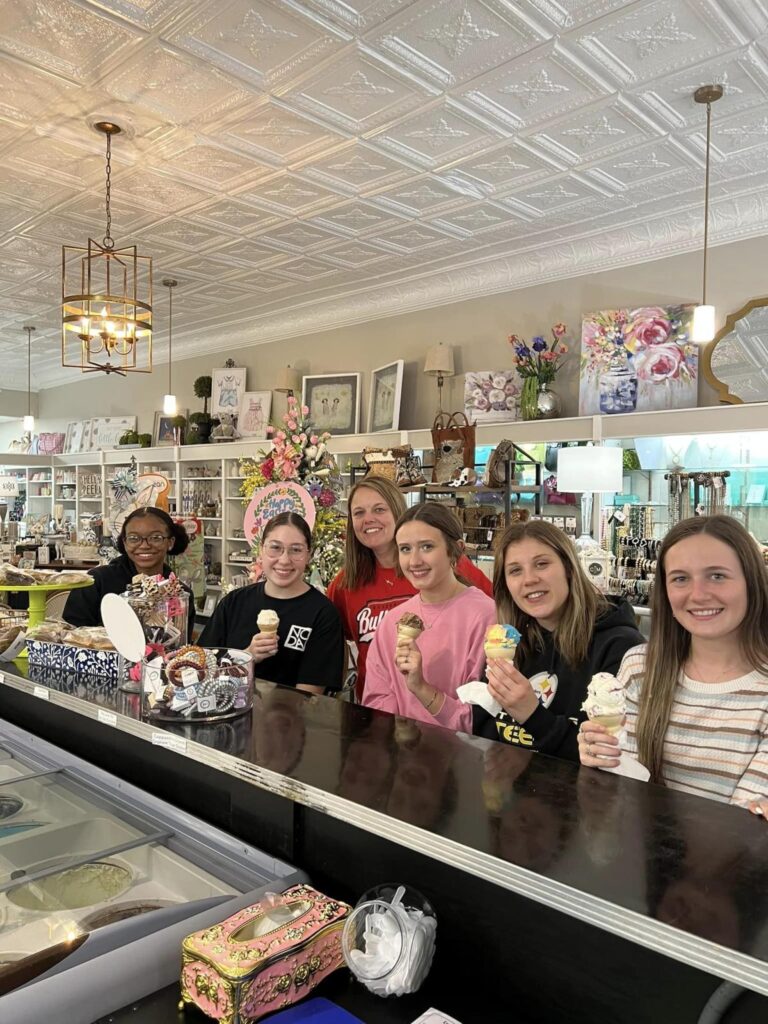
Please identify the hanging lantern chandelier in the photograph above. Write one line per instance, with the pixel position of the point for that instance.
(106, 298)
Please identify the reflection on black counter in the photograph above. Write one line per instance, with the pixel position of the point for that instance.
(701, 881)
(683, 860)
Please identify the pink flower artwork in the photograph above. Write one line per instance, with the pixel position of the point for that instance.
(638, 360)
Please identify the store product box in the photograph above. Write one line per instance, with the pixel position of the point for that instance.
(82, 660)
(265, 957)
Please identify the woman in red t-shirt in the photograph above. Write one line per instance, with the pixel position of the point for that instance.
(369, 585)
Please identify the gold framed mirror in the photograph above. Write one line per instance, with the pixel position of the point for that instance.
(736, 363)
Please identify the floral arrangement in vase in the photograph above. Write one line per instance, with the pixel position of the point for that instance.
(637, 360)
(538, 363)
(299, 453)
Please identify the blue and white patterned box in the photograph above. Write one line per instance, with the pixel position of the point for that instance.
(65, 658)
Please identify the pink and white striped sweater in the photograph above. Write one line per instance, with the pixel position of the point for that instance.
(717, 739)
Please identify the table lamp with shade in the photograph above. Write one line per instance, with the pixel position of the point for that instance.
(289, 381)
(439, 363)
(589, 470)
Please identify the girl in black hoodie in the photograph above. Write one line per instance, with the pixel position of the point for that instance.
(569, 632)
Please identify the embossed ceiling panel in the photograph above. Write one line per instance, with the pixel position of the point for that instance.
(299, 164)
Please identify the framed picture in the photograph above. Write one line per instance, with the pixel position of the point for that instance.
(491, 396)
(106, 431)
(384, 402)
(334, 401)
(163, 435)
(227, 390)
(253, 415)
(74, 437)
(211, 600)
(638, 360)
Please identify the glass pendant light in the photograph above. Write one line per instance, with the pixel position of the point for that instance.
(703, 328)
(169, 400)
(28, 423)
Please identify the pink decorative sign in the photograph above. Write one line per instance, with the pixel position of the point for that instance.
(269, 501)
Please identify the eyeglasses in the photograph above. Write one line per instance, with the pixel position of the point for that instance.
(154, 540)
(295, 552)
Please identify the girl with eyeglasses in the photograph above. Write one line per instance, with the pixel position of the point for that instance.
(148, 535)
(307, 651)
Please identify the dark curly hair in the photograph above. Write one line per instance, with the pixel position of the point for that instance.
(176, 530)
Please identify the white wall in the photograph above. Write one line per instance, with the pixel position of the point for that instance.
(478, 330)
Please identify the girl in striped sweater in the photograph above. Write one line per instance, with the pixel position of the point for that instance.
(697, 693)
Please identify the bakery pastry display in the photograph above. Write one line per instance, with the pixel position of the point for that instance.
(12, 575)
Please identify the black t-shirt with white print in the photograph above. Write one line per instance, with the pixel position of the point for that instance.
(310, 639)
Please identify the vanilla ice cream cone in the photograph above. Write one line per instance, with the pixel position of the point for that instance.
(268, 621)
(605, 703)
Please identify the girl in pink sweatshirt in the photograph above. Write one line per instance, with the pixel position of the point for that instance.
(418, 676)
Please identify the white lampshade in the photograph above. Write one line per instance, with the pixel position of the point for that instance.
(169, 405)
(289, 380)
(439, 361)
(592, 468)
(28, 423)
(703, 328)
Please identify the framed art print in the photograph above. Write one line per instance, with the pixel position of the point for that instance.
(384, 403)
(106, 431)
(163, 435)
(227, 390)
(334, 401)
(74, 437)
(491, 396)
(253, 414)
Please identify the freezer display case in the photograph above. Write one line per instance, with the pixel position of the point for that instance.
(91, 868)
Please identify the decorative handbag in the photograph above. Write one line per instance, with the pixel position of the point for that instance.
(50, 443)
(453, 439)
(397, 464)
(495, 473)
(264, 957)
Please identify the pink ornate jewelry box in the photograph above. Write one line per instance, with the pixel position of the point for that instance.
(264, 957)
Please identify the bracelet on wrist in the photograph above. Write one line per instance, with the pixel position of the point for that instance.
(428, 707)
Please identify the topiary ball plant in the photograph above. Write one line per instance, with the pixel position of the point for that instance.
(203, 388)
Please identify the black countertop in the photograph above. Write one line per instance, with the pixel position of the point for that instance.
(679, 874)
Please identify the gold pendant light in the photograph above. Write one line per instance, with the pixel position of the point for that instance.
(703, 327)
(106, 298)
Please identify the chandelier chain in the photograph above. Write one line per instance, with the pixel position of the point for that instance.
(706, 206)
(108, 239)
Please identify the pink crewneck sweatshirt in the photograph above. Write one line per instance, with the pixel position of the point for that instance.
(451, 650)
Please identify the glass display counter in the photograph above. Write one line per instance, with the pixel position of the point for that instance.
(614, 890)
(90, 867)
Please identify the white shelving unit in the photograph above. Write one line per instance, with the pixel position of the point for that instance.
(183, 463)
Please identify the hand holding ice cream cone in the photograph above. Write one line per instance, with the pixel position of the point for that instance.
(605, 703)
(506, 685)
(264, 644)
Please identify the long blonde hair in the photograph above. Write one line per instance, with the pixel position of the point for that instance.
(360, 561)
(573, 633)
(670, 643)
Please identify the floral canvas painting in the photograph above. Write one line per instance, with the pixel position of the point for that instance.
(491, 396)
(638, 360)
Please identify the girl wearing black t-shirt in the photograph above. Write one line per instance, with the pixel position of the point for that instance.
(307, 651)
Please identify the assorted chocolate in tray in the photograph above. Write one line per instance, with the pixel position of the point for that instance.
(197, 684)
